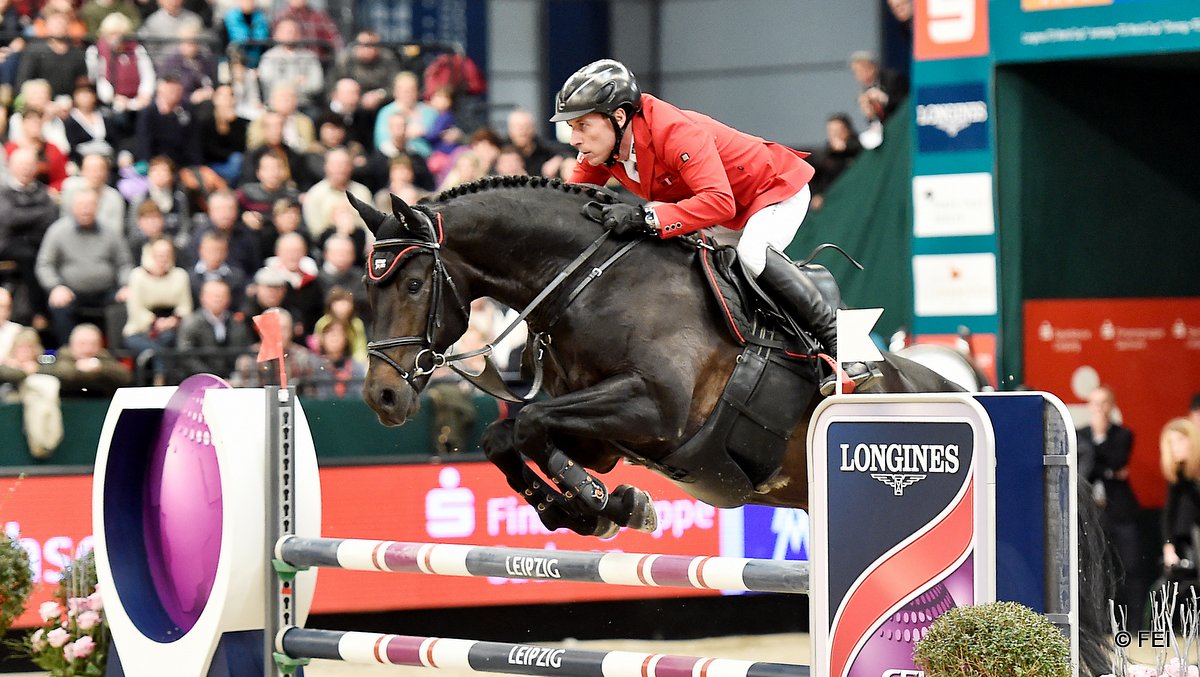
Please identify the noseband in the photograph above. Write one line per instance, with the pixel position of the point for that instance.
(386, 258)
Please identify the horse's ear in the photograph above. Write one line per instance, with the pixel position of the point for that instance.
(409, 218)
(372, 216)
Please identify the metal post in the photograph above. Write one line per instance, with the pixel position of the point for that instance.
(1062, 550)
(280, 514)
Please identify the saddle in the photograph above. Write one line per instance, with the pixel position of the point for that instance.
(740, 448)
(741, 299)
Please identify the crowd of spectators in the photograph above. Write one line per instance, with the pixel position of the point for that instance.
(174, 168)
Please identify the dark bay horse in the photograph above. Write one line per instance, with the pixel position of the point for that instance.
(637, 359)
(640, 356)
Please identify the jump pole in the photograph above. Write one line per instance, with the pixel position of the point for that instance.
(612, 568)
(518, 659)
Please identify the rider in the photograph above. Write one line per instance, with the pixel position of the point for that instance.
(697, 172)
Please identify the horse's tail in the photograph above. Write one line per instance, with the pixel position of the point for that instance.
(1097, 584)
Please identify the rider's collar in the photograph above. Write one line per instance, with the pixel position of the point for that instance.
(630, 163)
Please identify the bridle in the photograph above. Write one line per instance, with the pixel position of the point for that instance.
(386, 258)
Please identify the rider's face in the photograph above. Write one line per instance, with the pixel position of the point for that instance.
(593, 136)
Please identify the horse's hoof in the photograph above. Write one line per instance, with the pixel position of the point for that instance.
(777, 480)
(642, 515)
(605, 528)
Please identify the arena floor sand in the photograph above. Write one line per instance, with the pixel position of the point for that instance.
(781, 648)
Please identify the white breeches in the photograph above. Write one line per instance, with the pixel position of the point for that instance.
(775, 226)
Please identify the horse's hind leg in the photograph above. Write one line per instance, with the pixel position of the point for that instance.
(554, 509)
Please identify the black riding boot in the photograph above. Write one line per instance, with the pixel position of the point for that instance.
(799, 297)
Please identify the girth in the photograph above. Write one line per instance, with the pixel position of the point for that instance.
(742, 444)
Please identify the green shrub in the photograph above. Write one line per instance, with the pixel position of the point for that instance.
(1001, 639)
(16, 581)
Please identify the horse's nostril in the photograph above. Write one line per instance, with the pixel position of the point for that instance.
(387, 397)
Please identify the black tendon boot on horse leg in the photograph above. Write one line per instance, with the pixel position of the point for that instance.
(627, 506)
(799, 297)
(554, 510)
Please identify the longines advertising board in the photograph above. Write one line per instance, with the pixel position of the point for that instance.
(902, 532)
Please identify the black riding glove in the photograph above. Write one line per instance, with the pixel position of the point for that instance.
(622, 218)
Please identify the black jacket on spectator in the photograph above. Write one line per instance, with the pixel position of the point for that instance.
(174, 135)
(830, 164)
(244, 253)
(296, 165)
(218, 147)
(306, 304)
(62, 71)
(351, 281)
(360, 125)
(541, 153)
(232, 275)
(895, 85)
(24, 216)
(209, 355)
(10, 26)
(375, 174)
(78, 136)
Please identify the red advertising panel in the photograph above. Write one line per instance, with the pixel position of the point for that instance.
(52, 519)
(950, 29)
(460, 503)
(1147, 350)
(470, 503)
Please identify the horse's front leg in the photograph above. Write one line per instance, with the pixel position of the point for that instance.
(554, 509)
(620, 408)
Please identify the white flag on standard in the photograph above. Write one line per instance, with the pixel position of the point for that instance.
(854, 335)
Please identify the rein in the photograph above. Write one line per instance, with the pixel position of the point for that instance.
(488, 379)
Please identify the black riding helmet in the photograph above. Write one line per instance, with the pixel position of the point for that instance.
(600, 87)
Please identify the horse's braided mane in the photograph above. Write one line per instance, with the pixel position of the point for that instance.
(490, 182)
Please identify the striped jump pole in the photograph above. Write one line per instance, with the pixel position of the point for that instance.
(518, 659)
(613, 568)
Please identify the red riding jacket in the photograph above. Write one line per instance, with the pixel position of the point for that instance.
(707, 172)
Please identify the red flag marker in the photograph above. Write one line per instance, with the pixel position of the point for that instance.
(271, 347)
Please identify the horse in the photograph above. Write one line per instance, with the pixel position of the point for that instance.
(637, 355)
(640, 357)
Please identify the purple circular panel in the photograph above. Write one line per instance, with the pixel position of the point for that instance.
(183, 504)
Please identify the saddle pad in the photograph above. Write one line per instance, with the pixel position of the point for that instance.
(727, 290)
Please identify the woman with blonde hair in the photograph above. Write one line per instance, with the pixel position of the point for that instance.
(1179, 456)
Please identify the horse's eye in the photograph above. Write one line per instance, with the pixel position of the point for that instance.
(414, 286)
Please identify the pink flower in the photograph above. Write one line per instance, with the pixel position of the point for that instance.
(58, 637)
(84, 646)
(88, 620)
(95, 602)
(69, 652)
(1193, 671)
(1172, 668)
(77, 604)
(38, 640)
(1137, 670)
(49, 610)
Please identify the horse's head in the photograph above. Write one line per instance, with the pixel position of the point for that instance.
(416, 311)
